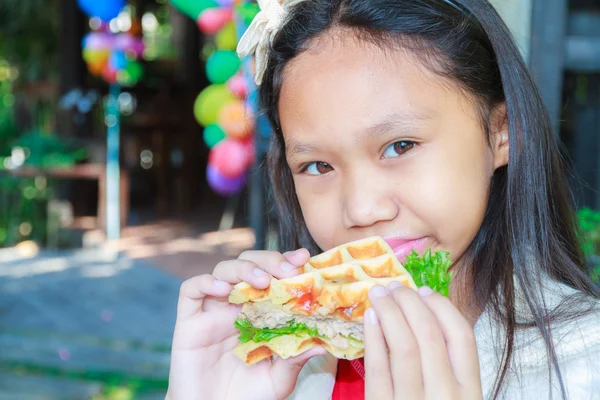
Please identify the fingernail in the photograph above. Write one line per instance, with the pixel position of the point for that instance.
(371, 316)
(286, 266)
(394, 285)
(425, 291)
(220, 283)
(378, 291)
(259, 272)
(296, 252)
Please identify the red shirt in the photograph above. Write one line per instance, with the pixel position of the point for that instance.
(350, 380)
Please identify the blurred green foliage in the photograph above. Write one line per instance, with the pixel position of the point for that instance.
(589, 232)
(29, 37)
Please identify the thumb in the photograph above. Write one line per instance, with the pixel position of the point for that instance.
(284, 372)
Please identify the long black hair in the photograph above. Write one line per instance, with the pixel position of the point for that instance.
(529, 227)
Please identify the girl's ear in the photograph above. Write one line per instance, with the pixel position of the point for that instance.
(499, 136)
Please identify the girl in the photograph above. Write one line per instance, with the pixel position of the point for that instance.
(415, 120)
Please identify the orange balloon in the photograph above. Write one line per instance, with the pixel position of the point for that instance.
(136, 28)
(236, 120)
(96, 68)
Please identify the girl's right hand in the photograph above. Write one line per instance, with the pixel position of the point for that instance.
(203, 365)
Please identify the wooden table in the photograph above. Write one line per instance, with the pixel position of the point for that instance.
(88, 171)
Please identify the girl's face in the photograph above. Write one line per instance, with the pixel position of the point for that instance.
(379, 145)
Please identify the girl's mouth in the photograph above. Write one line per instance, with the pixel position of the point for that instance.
(404, 246)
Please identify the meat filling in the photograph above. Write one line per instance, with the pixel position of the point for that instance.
(267, 315)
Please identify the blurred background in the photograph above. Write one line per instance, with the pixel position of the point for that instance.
(131, 159)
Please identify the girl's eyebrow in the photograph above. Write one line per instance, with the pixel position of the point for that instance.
(398, 122)
(294, 148)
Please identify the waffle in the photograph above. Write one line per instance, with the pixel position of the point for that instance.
(334, 284)
(291, 345)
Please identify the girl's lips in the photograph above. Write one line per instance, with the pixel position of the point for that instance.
(404, 247)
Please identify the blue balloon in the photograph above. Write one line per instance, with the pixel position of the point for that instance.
(118, 60)
(103, 9)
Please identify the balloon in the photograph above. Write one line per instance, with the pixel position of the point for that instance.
(247, 11)
(97, 41)
(229, 157)
(212, 20)
(238, 86)
(109, 74)
(225, 3)
(118, 60)
(131, 74)
(236, 120)
(226, 39)
(250, 146)
(139, 47)
(96, 68)
(213, 134)
(223, 185)
(103, 9)
(96, 56)
(209, 103)
(193, 8)
(136, 28)
(222, 65)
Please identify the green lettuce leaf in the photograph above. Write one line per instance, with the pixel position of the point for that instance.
(430, 270)
(249, 332)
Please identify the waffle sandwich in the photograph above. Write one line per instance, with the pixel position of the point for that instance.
(323, 306)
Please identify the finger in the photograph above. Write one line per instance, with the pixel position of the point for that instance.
(378, 378)
(438, 378)
(193, 291)
(207, 329)
(279, 265)
(459, 337)
(235, 271)
(405, 360)
(284, 372)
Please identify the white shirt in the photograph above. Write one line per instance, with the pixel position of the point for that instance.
(577, 345)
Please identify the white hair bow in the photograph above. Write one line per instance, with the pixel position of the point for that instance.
(262, 30)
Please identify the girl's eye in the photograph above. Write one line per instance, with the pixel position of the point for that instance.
(317, 168)
(398, 149)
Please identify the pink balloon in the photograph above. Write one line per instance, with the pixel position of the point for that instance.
(230, 157)
(238, 86)
(212, 20)
(139, 47)
(250, 146)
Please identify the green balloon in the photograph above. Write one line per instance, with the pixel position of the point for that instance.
(222, 65)
(226, 39)
(213, 134)
(193, 8)
(210, 102)
(247, 11)
(131, 74)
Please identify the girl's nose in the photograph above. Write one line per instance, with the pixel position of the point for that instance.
(367, 202)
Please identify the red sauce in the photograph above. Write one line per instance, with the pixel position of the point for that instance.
(306, 299)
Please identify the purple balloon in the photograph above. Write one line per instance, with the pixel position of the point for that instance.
(124, 42)
(98, 41)
(223, 185)
(225, 3)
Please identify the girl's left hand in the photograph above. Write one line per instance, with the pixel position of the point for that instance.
(432, 350)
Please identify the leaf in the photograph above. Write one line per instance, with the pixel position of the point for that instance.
(249, 332)
(430, 270)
